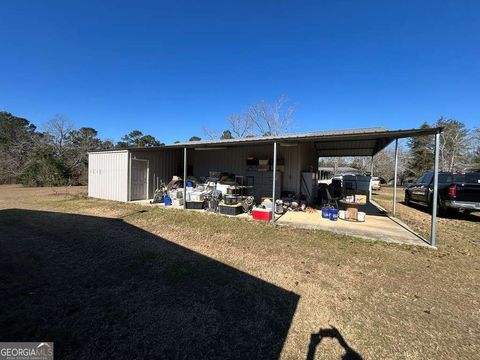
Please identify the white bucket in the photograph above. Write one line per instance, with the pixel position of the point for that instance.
(196, 196)
(361, 216)
(341, 214)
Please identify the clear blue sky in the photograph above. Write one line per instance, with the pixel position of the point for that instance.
(170, 68)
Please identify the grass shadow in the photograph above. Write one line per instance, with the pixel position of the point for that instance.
(102, 288)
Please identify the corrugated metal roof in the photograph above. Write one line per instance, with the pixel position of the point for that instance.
(330, 143)
(298, 136)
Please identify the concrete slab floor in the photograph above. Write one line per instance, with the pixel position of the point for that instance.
(377, 225)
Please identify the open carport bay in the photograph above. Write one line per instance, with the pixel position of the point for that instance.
(378, 226)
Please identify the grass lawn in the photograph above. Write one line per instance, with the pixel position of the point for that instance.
(112, 280)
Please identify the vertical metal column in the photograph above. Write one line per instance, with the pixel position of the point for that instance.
(185, 177)
(395, 180)
(274, 178)
(371, 178)
(433, 233)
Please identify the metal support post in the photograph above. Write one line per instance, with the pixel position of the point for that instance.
(274, 179)
(185, 177)
(433, 233)
(395, 180)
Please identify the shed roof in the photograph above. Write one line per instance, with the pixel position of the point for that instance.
(330, 143)
(348, 142)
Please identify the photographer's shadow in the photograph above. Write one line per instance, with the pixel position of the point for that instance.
(316, 339)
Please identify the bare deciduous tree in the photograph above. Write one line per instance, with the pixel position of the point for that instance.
(239, 125)
(270, 119)
(260, 119)
(453, 144)
(210, 133)
(59, 128)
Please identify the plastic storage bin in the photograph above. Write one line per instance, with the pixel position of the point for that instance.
(197, 205)
(230, 209)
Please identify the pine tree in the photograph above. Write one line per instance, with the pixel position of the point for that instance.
(421, 152)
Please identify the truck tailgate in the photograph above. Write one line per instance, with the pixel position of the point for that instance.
(468, 187)
(468, 192)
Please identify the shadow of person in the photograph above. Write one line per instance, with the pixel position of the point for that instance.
(102, 288)
(333, 333)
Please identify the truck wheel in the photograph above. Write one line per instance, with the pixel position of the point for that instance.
(441, 210)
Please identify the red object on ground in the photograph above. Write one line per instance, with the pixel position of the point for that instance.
(262, 214)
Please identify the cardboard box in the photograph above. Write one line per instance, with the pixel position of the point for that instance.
(361, 199)
(351, 213)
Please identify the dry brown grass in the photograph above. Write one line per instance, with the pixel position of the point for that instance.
(386, 300)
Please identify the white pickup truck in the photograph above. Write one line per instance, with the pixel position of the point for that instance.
(376, 183)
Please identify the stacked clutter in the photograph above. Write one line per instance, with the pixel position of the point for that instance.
(176, 196)
(228, 194)
(174, 190)
(195, 197)
(217, 193)
(352, 213)
(235, 199)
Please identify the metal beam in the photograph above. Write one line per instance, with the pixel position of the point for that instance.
(433, 233)
(344, 152)
(395, 180)
(274, 179)
(185, 177)
(371, 178)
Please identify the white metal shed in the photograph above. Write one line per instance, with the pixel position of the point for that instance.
(108, 175)
(130, 174)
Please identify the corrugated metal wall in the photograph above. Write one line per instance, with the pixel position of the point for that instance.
(109, 171)
(163, 164)
(295, 158)
(308, 157)
(108, 175)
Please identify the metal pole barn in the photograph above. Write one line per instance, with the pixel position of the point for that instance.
(274, 178)
(395, 180)
(185, 177)
(433, 233)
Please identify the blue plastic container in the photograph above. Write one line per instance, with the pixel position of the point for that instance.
(167, 200)
(333, 214)
(325, 212)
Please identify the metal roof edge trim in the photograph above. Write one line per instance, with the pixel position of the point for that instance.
(328, 135)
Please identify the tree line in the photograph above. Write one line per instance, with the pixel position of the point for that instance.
(58, 155)
(459, 151)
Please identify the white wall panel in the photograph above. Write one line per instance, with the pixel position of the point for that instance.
(108, 175)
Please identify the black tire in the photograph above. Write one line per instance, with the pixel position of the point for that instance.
(407, 199)
(442, 211)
